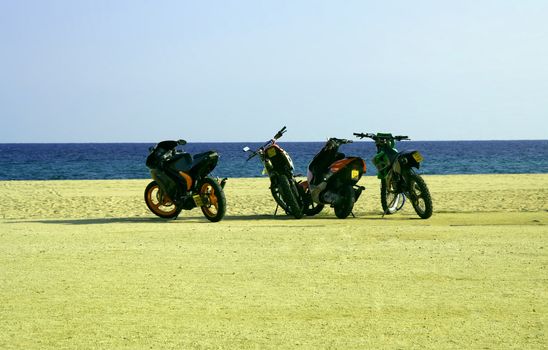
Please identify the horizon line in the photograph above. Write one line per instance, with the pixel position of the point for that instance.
(282, 141)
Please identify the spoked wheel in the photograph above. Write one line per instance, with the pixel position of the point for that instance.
(289, 194)
(346, 202)
(159, 202)
(277, 195)
(420, 196)
(391, 199)
(213, 198)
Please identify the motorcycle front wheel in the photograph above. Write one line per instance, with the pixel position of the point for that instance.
(345, 203)
(309, 207)
(420, 196)
(391, 200)
(159, 203)
(213, 196)
(290, 196)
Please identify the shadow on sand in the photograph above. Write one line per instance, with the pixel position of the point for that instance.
(197, 219)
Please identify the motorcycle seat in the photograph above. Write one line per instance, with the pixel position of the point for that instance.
(181, 161)
(200, 156)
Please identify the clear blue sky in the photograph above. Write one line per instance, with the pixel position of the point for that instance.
(133, 71)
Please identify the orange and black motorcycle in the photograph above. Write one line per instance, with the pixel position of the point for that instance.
(332, 180)
(182, 181)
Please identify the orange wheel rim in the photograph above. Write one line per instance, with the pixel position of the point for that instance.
(160, 204)
(212, 207)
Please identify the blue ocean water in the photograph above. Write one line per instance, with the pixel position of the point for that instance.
(127, 160)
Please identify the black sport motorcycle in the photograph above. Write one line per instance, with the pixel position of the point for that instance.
(332, 179)
(182, 181)
(398, 178)
(279, 168)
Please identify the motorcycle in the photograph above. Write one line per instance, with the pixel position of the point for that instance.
(279, 168)
(332, 179)
(182, 182)
(398, 178)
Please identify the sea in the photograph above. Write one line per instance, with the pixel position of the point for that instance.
(72, 161)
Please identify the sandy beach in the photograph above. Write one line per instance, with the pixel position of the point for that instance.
(85, 265)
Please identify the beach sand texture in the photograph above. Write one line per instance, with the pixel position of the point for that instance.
(85, 265)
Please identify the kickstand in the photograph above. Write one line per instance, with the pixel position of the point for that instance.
(276, 211)
(352, 214)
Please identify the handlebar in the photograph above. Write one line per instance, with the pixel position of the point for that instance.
(273, 140)
(253, 154)
(280, 133)
(361, 135)
(340, 141)
(376, 137)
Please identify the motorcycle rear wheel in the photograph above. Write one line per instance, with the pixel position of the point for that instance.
(214, 199)
(420, 196)
(159, 203)
(346, 203)
(290, 196)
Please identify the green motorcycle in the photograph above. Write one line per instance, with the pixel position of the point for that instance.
(398, 178)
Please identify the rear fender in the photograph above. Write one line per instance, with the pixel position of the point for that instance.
(348, 170)
(355, 162)
(410, 159)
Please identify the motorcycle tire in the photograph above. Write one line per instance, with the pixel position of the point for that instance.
(159, 203)
(391, 201)
(277, 195)
(290, 196)
(214, 199)
(345, 203)
(420, 196)
(312, 209)
(309, 207)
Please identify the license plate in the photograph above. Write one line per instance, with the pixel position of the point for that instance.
(417, 156)
(355, 174)
(271, 152)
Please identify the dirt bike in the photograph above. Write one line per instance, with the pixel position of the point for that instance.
(398, 178)
(279, 168)
(182, 182)
(332, 179)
